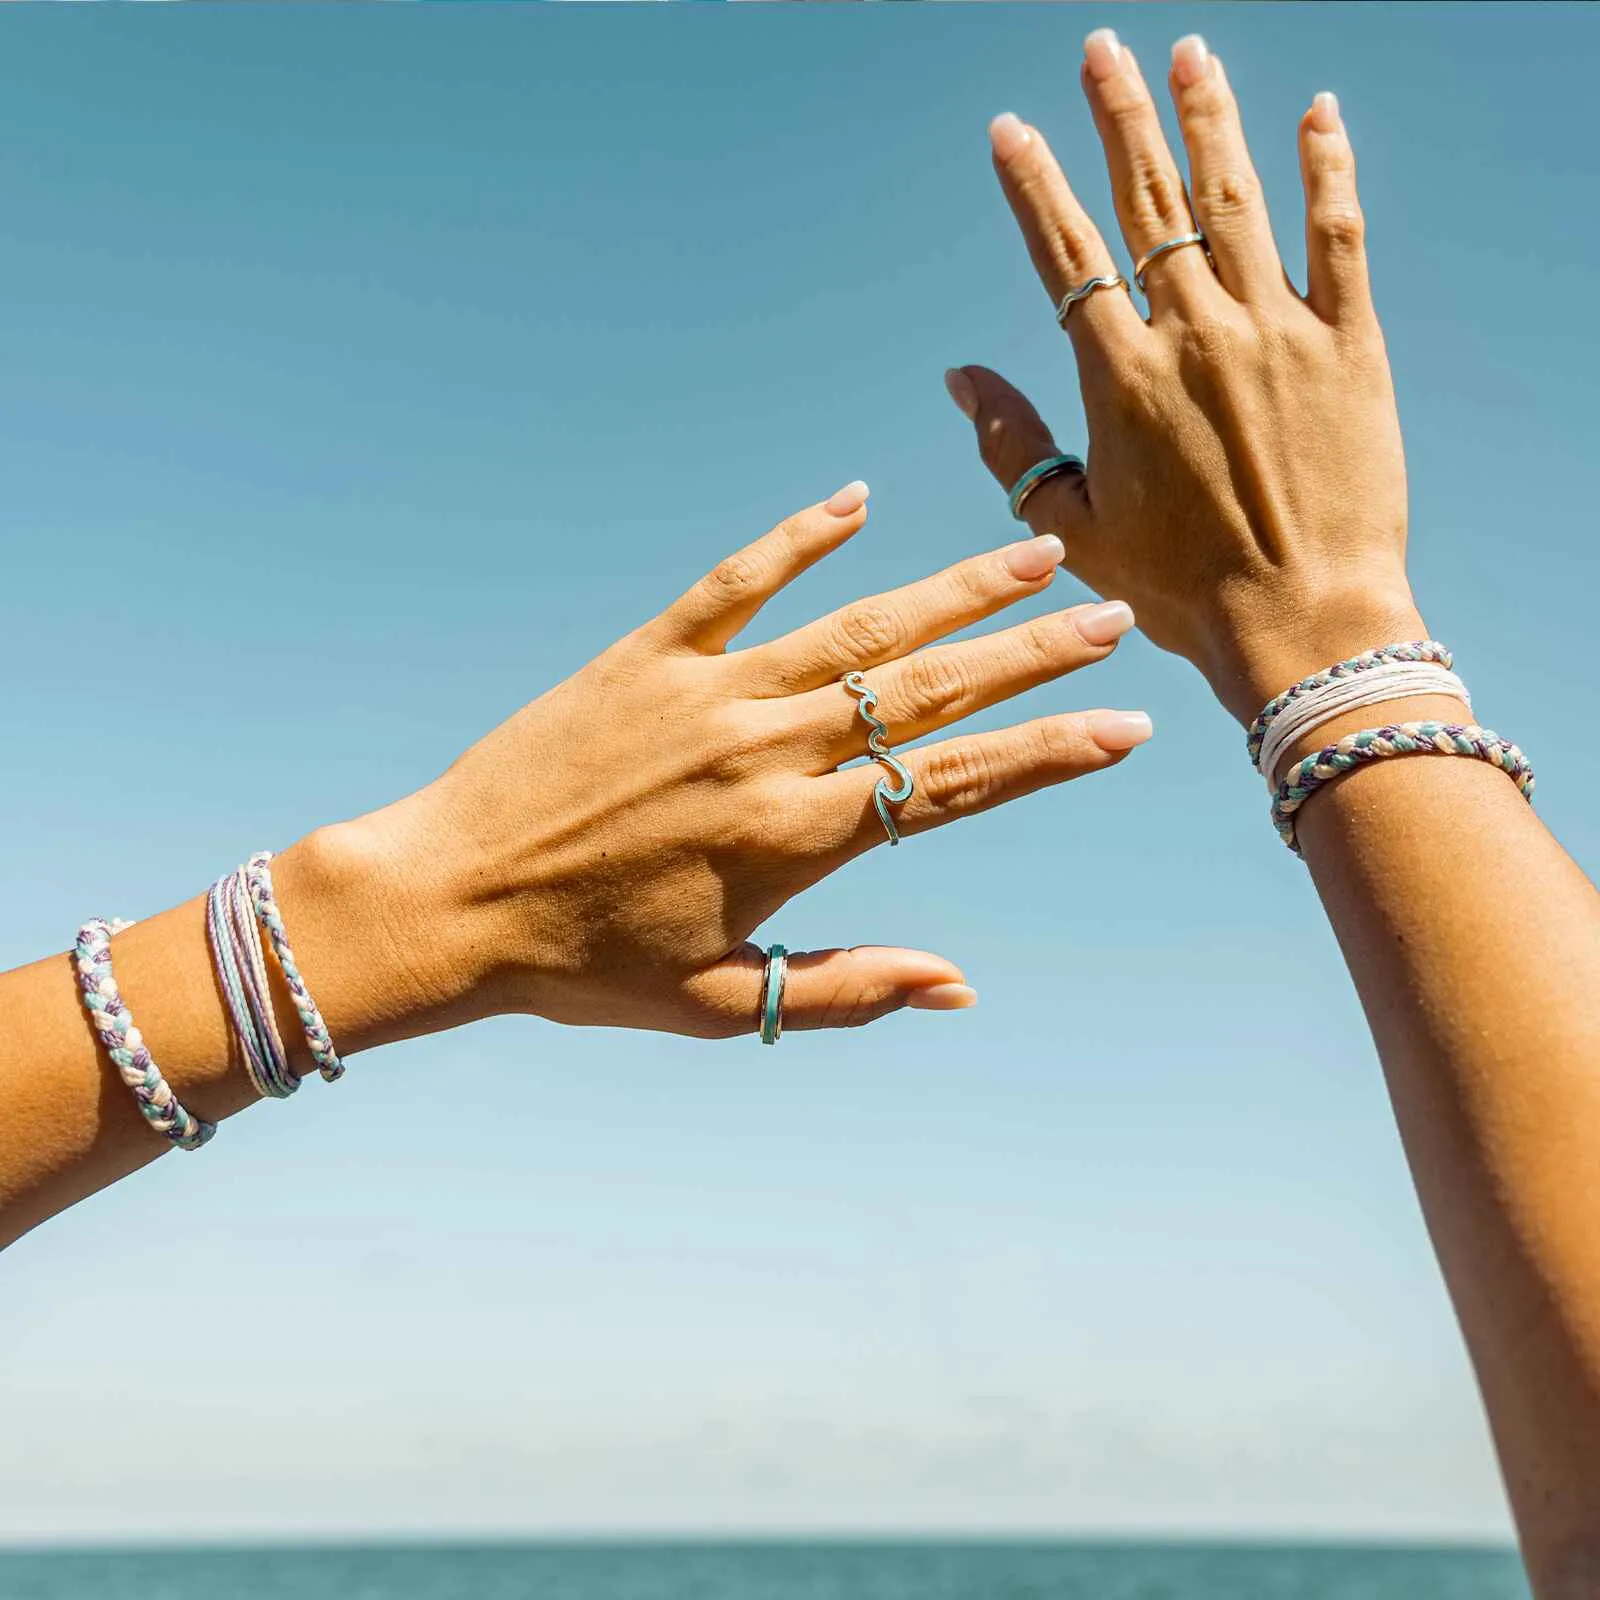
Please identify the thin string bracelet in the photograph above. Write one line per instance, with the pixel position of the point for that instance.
(1387, 681)
(113, 1024)
(1397, 739)
(1411, 650)
(259, 879)
(242, 975)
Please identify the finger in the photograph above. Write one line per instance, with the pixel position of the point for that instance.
(887, 626)
(828, 988)
(1226, 193)
(933, 688)
(1151, 204)
(1337, 283)
(725, 600)
(1012, 437)
(963, 776)
(1065, 245)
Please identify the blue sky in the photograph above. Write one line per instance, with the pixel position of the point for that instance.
(361, 374)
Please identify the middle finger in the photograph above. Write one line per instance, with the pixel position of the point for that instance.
(931, 689)
(1152, 205)
(888, 626)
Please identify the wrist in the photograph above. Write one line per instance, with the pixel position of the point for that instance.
(1276, 645)
(379, 931)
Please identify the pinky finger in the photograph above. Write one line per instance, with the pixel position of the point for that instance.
(977, 772)
(828, 988)
(1337, 286)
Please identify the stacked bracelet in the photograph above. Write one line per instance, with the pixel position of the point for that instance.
(113, 1022)
(259, 881)
(1397, 739)
(242, 975)
(1413, 650)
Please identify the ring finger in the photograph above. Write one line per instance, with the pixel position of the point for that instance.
(933, 688)
(1152, 204)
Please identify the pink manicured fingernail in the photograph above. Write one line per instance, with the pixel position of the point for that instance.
(1103, 624)
(1119, 730)
(1008, 133)
(1102, 54)
(1325, 112)
(943, 997)
(1191, 60)
(848, 500)
(961, 391)
(1030, 559)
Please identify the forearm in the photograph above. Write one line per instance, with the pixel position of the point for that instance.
(1475, 944)
(68, 1124)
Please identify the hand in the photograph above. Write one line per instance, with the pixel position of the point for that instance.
(604, 855)
(1246, 486)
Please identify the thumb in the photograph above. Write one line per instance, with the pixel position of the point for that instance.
(830, 988)
(1012, 437)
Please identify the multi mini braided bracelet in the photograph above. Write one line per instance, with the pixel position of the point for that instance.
(1396, 739)
(113, 1022)
(242, 974)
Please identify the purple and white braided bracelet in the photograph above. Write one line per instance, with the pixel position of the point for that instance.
(113, 1022)
(1396, 739)
(1411, 650)
(259, 879)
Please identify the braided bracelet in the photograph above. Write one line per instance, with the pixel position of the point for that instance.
(259, 880)
(113, 1022)
(1396, 739)
(1415, 650)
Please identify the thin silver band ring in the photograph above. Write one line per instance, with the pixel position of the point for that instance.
(1162, 248)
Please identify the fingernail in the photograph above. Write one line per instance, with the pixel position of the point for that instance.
(961, 391)
(1191, 60)
(1103, 624)
(1119, 730)
(1325, 112)
(848, 500)
(1008, 133)
(943, 997)
(1030, 559)
(1102, 54)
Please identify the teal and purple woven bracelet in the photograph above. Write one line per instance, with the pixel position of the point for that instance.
(259, 879)
(113, 1023)
(1410, 650)
(1395, 739)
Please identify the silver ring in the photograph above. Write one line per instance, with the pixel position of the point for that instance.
(774, 977)
(1111, 280)
(884, 793)
(1162, 248)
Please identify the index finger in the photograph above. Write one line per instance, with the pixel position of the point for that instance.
(1065, 245)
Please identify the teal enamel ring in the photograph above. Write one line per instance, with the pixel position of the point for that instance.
(1037, 474)
(773, 977)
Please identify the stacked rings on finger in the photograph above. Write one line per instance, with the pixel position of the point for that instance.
(773, 978)
(1110, 280)
(1039, 472)
(884, 794)
(1161, 249)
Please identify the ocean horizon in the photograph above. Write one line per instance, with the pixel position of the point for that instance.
(659, 1567)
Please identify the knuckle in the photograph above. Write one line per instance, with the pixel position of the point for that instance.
(959, 778)
(1339, 227)
(1042, 643)
(1153, 192)
(741, 742)
(935, 683)
(870, 630)
(850, 1008)
(1228, 196)
(734, 576)
(1059, 742)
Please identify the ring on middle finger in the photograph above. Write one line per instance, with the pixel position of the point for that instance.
(1161, 249)
(884, 794)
